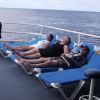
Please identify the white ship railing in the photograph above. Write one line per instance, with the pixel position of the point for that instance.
(55, 28)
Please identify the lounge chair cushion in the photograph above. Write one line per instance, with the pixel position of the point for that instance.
(71, 75)
(53, 40)
(94, 63)
(62, 77)
(71, 46)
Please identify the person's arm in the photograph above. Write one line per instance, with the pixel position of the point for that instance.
(65, 48)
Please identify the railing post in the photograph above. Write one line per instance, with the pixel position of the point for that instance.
(41, 30)
(0, 28)
(79, 38)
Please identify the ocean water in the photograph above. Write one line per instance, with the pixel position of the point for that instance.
(87, 22)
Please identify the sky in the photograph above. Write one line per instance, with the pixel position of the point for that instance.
(80, 5)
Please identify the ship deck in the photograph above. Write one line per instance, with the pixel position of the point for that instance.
(16, 85)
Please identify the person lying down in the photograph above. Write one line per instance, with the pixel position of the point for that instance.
(67, 59)
(54, 51)
(39, 44)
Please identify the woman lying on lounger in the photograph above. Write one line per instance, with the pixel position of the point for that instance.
(66, 60)
(39, 44)
(56, 50)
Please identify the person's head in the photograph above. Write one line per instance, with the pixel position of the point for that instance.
(50, 37)
(84, 50)
(66, 40)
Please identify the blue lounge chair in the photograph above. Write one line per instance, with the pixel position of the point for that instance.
(6, 52)
(44, 70)
(61, 78)
(55, 37)
(71, 46)
(13, 55)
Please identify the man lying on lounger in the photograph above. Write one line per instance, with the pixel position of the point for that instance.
(66, 60)
(39, 44)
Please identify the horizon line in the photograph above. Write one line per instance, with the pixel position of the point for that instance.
(49, 9)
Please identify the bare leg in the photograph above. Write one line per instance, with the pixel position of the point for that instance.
(21, 60)
(13, 48)
(33, 56)
(30, 52)
(37, 63)
(43, 62)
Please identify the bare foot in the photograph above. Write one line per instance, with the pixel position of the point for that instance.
(21, 60)
(9, 47)
(27, 66)
(19, 53)
(6, 46)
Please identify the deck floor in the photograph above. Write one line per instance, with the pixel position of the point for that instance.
(16, 85)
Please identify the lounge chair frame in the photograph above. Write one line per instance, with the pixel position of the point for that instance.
(60, 89)
(75, 92)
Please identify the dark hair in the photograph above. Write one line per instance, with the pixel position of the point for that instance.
(69, 39)
(86, 47)
(51, 36)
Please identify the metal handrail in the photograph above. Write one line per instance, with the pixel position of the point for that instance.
(23, 32)
(60, 29)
